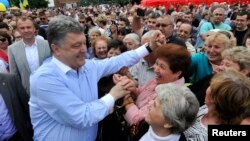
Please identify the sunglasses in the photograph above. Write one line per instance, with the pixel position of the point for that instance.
(162, 25)
(3, 39)
(82, 22)
(42, 18)
(226, 33)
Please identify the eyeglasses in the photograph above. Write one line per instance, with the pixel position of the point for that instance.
(162, 25)
(3, 39)
(225, 33)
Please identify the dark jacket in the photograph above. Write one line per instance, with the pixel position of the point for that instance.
(16, 100)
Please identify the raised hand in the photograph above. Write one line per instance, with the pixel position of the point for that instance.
(157, 40)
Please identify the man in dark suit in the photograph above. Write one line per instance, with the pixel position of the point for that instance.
(15, 124)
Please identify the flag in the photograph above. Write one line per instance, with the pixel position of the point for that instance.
(21, 5)
(25, 3)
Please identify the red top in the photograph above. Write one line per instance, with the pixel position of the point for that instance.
(4, 56)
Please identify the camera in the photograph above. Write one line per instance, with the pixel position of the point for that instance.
(141, 12)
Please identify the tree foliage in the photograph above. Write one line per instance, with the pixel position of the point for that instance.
(32, 3)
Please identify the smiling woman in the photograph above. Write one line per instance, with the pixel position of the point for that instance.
(171, 64)
(206, 63)
(100, 47)
(131, 41)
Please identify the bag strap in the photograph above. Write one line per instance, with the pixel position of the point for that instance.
(212, 25)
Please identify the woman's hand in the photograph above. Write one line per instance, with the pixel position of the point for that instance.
(116, 78)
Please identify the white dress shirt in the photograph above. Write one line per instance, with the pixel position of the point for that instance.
(32, 56)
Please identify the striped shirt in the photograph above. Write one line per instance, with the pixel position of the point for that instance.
(198, 132)
(142, 72)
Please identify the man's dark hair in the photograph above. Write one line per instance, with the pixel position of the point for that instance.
(4, 25)
(242, 13)
(154, 15)
(125, 20)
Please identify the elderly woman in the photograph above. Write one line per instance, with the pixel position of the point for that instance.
(173, 111)
(131, 41)
(100, 47)
(171, 64)
(204, 64)
(237, 58)
(93, 34)
(227, 99)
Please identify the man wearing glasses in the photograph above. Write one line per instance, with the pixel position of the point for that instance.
(165, 24)
(44, 20)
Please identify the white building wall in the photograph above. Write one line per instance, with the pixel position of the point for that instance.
(51, 3)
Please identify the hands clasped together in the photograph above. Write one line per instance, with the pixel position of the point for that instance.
(124, 86)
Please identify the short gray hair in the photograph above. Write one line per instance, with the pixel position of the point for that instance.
(59, 26)
(178, 105)
(219, 9)
(239, 55)
(148, 35)
(95, 30)
(134, 37)
(169, 18)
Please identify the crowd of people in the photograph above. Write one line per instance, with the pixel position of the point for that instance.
(124, 73)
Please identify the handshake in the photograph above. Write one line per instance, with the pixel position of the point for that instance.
(124, 86)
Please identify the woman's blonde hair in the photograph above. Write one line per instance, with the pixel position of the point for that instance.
(239, 55)
(221, 38)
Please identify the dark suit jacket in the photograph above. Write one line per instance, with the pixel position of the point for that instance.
(16, 100)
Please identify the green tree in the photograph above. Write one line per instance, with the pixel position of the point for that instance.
(38, 3)
(32, 3)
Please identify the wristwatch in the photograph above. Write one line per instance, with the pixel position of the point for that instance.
(148, 48)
